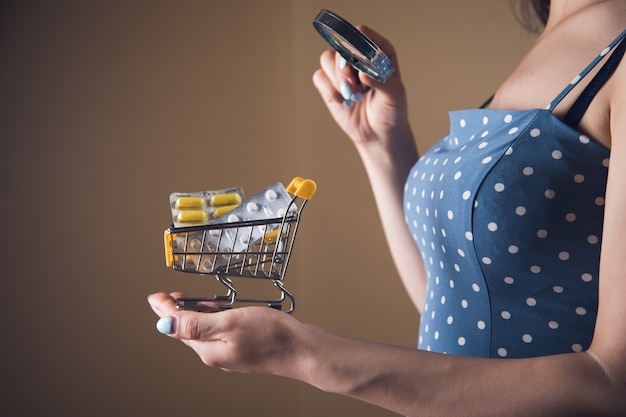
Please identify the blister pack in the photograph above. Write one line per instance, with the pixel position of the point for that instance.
(199, 208)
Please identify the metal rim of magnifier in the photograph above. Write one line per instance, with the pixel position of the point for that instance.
(353, 45)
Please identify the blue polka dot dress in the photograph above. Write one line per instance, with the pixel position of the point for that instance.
(507, 211)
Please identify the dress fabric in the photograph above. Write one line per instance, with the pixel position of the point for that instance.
(507, 210)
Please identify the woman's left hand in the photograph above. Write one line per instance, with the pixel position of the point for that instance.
(248, 339)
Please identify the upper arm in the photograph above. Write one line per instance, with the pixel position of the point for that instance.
(609, 341)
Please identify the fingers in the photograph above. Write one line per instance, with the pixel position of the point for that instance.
(339, 82)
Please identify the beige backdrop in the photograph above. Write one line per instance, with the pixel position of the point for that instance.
(108, 106)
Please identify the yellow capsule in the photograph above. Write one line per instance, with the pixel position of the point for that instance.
(186, 203)
(228, 199)
(192, 216)
(272, 236)
(220, 211)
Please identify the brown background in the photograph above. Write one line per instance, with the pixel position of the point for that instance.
(108, 106)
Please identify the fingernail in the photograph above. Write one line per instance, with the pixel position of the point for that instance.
(356, 97)
(342, 62)
(165, 325)
(345, 90)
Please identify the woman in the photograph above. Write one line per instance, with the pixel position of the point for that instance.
(502, 263)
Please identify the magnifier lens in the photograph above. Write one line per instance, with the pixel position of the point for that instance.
(353, 45)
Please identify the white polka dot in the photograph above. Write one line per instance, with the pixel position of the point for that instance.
(450, 214)
(502, 352)
(469, 236)
(475, 287)
(581, 311)
(527, 338)
(462, 122)
(550, 194)
(443, 299)
(505, 315)
(553, 325)
(535, 269)
(437, 335)
(451, 283)
(484, 134)
(509, 280)
(487, 159)
(485, 120)
(464, 303)
(509, 151)
(556, 154)
(575, 79)
(492, 227)
(486, 260)
(535, 133)
(461, 253)
(583, 139)
(564, 256)
(520, 211)
(605, 162)
(457, 175)
(557, 289)
(508, 118)
(528, 171)
(599, 201)
(513, 130)
(586, 277)
(499, 187)
(577, 347)
(542, 234)
(592, 239)
(531, 301)
(481, 325)
(579, 178)
(513, 249)
(461, 341)
(483, 145)
(466, 195)
(457, 160)
(570, 217)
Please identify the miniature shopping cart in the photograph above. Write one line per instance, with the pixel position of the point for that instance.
(254, 240)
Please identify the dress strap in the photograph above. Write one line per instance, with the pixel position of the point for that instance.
(578, 109)
(587, 70)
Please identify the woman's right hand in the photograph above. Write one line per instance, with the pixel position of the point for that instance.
(380, 114)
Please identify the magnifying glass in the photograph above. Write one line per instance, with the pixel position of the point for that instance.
(353, 45)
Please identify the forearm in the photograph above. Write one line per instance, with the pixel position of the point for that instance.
(419, 383)
(387, 167)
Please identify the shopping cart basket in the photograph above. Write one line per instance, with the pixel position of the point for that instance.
(228, 248)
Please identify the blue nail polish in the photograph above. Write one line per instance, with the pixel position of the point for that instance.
(345, 90)
(165, 325)
(348, 103)
(356, 97)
